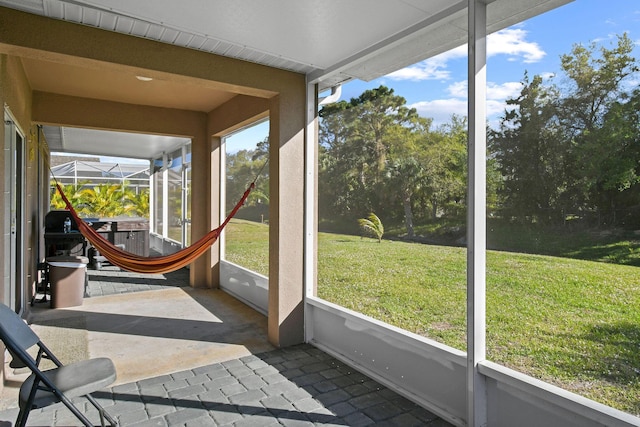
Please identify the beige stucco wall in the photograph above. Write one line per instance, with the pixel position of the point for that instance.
(259, 91)
(18, 91)
(15, 95)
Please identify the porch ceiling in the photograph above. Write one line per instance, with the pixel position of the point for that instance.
(331, 42)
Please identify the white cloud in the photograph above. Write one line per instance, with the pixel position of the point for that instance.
(495, 108)
(511, 42)
(494, 91)
(425, 70)
(503, 91)
(631, 84)
(458, 89)
(441, 110)
(430, 69)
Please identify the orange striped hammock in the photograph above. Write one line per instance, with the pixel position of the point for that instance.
(139, 264)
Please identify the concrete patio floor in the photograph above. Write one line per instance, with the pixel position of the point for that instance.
(192, 357)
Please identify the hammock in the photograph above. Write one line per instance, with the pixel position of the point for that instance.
(139, 264)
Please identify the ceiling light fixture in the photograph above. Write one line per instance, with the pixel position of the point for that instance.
(144, 78)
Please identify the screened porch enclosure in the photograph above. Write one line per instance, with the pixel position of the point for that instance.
(213, 80)
(170, 200)
(161, 188)
(77, 172)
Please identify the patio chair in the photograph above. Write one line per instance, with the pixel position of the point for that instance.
(60, 384)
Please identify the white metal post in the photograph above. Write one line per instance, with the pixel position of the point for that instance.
(183, 194)
(165, 196)
(152, 197)
(222, 203)
(310, 186)
(476, 221)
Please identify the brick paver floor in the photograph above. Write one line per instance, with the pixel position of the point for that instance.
(296, 386)
(111, 280)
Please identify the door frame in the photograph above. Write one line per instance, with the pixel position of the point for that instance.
(14, 167)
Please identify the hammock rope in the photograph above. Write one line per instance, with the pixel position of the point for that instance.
(161, 264)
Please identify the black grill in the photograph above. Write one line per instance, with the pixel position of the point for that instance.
(56, 241)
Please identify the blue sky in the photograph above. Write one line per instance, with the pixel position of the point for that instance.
(437, 87)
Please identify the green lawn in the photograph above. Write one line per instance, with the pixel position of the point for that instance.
(570, 322)
(247, 244)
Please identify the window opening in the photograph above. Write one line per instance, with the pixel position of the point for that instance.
(246, 241)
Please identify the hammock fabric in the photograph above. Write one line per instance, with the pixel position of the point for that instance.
(140, 264)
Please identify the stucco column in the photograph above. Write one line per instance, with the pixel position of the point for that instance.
(202, 206)
(216, 159)
(286, 217)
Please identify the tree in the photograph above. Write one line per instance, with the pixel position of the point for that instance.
(613, 166)
(356, 139)
(446, 163)
(596, 105)
(529, 149)
(107, 200)
(140, 204)
(570, 149)
(407, 176)
(71, 191)
(595, 82)
(340, 173)
(243, 167)
(375, 112)
(104, 200)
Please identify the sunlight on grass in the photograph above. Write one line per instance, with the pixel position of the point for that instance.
(247, 244)
(396, 283)
(570, 322)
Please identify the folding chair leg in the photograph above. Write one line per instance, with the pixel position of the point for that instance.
(103, 413)
(21, 421)
(75, 411)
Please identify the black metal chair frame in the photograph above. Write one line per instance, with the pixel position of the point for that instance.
(42, 287)
(60, 384)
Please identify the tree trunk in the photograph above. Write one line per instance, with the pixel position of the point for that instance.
(408, 216)
(434, 208)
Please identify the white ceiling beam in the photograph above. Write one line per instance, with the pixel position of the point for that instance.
(384, 45)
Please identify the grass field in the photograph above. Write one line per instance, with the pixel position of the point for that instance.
(573, 323)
